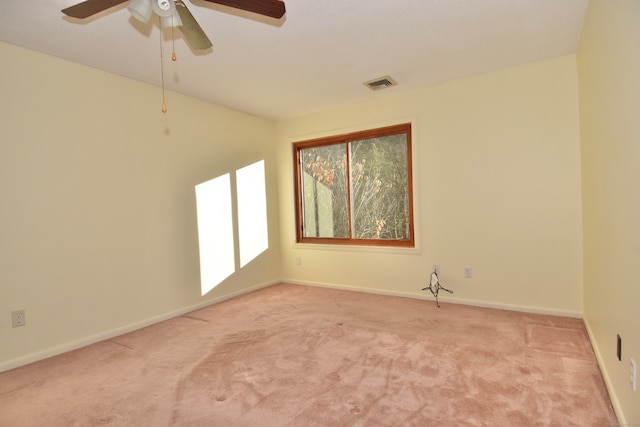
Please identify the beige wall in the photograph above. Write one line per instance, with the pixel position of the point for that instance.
(497, 188)
(608, 69)
(97, 217)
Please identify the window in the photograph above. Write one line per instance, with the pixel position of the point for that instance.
(355, 188)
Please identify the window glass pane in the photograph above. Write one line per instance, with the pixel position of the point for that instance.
(379, 188)
(324, 191)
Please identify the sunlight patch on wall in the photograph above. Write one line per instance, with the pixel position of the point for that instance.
(216, 226)
(215, 231)
(252, 212)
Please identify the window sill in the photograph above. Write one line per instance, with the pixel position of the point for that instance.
(358, 248)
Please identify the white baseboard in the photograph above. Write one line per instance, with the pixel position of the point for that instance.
(43, 354)
(605, 376)
(448, 299)
(54, 351)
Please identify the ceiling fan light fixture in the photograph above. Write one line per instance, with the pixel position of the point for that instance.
(163, 8)
(171, 21)
(140, 9)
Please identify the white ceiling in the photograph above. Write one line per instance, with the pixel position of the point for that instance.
(317, 56)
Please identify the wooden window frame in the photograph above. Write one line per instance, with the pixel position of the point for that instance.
(346, 139)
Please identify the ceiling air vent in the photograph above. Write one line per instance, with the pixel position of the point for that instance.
(380, 83)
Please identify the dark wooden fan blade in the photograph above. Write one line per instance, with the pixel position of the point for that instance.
(192, 31)
(90, 7)
(272, 8)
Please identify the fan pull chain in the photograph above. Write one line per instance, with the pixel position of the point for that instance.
(164, 106)
(174, 57)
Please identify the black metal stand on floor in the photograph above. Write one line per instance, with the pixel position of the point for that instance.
(434, 286)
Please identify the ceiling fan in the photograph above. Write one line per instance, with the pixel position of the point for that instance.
(174, 13)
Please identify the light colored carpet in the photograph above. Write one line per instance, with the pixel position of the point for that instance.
(301, 356)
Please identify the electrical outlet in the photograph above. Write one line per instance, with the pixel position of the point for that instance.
(18, 318)
(468, 273)
(298, 260)
(633, 378)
